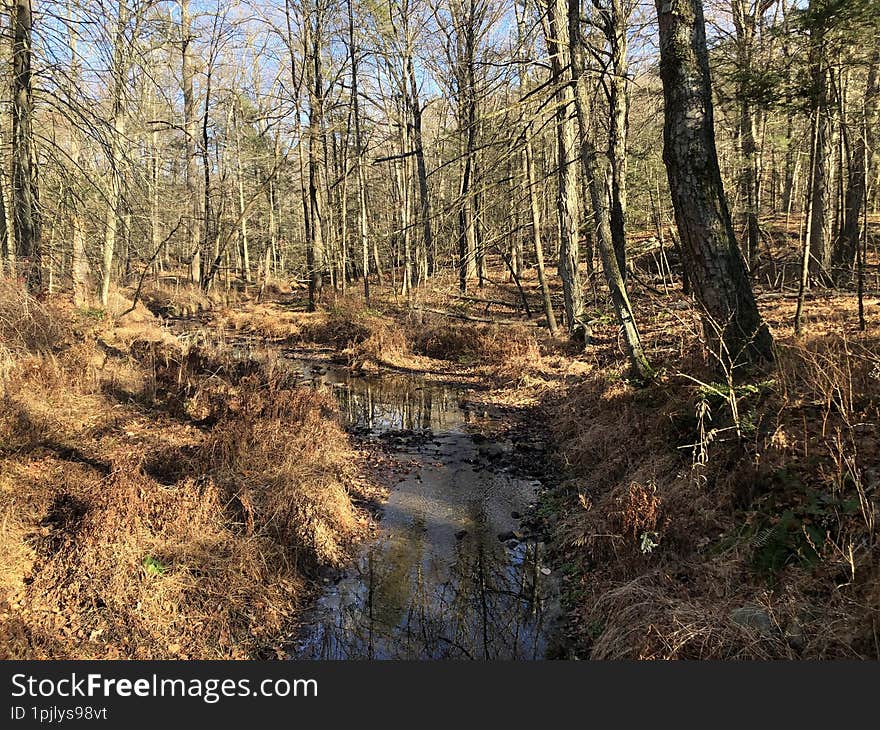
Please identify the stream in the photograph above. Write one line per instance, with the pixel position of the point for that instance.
(451, 572)
(454, 570)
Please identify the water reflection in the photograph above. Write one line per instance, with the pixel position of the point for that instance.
(438, 583)
(389, 403)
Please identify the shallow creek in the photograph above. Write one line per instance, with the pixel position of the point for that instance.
(450, 572)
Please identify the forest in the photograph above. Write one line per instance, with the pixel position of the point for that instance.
(439, 329)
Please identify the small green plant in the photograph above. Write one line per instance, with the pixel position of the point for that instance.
(153, 566)
(649, 541)
(800, 531)
(96, 313)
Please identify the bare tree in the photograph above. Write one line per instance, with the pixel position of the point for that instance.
(568, 208)
(25, 202)
(595, 178)
(733, 325)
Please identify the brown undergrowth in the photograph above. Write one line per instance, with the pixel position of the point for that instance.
(158, 501)
(389, 337)
(703, 520)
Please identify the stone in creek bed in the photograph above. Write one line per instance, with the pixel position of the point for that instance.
(492, 451)
(461, 534)
(478, 438)
(505, 536)
(515, 515)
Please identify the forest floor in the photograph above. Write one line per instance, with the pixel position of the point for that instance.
(154, 504)
(159, 500)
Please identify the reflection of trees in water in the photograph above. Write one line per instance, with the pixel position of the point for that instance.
(486, 605)
(398, 405)
(470, 599)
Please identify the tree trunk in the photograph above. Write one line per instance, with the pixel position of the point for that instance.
(25, 196)
(819, 190)
(189, 131)
(744, 22)
(315, 246)
(243, 243)
(79, 267)
(618, 125)
(210, 251)
(568, 209)
(595, 177)
(733, 326)
(856, 190)
(359, 158)
(529, 163)
(467, 240)
(421, 167)
(117, 161)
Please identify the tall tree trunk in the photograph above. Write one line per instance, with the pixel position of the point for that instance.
(421, 167)
(618, 125)
(568, 209)
(467, 115)
(25, 196)
(209, 257)
(819, 190)
(359, 157)
(155, 178)
(313, 22)
(7, 194)
(791, 153)
(5, 248)
(595, 176)
(745, 25)
(856, 200)
(189, 131)
(534, 205)
(478, 222)
(117, 133)
(733, 326)
(243, 242)
(274, 212)
(79, 268)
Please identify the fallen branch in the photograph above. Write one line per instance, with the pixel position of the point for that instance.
(473, 318)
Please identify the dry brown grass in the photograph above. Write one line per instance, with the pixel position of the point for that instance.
(502, 350)
(26, 325)
(181, 299)
(683, 539)
(158, 502)
(289, 483)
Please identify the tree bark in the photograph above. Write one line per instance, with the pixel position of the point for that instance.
(313, 23)
(618, 125)
(819, 190)
(189, 130)
(535, 207)
(568, 208)
(734, 330)
(79, 268)
(745, 26)
(243, 243)
(856, 190)
(421, 167)
(594, 174)
(359, 158)
(467, 121)
(25, 200)
(119, 73)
